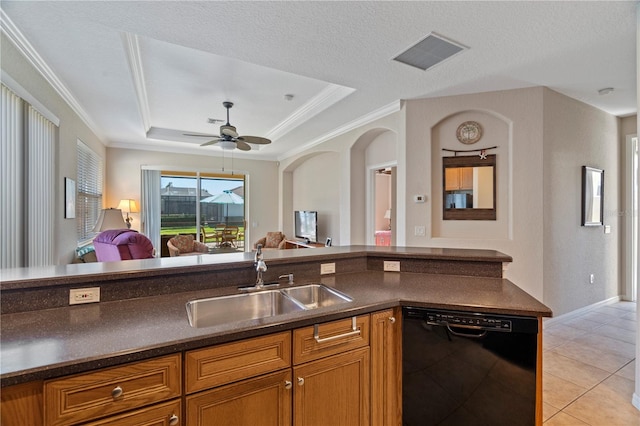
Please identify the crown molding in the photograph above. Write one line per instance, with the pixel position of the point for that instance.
(323, 100)
(31, 55)
(359, 122)
(134, 59)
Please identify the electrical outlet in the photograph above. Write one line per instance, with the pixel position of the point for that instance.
(392, 265)
(327, 268)
(592, 278)
(419, 231)
(78, 296)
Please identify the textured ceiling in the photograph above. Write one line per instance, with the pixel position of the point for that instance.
(143, 73)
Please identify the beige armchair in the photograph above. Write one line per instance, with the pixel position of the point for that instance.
(273, 240)
(185, 245)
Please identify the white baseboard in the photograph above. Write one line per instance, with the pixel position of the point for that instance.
(636, 400)
(580, 311)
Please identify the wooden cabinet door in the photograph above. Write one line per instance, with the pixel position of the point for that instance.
(451, 178)
(22, 405)
(333, 391)
(466, 178)
(261, 401)
(386, 368)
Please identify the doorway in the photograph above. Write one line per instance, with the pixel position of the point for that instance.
(382, 206)
(631, 218)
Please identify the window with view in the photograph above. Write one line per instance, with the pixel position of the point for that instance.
(205, 205)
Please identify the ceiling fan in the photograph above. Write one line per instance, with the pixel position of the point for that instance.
(228, 138)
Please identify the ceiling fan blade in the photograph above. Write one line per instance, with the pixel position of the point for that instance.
(227, 130)
(211, 142)
(243, 146)
(254, 139)
(200, 135)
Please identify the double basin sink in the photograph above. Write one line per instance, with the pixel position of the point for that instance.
(263, 304)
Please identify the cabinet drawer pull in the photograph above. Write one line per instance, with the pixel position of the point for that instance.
(287, 384)
(392, 320)
(300, 381)
(117, 392)
(355, 331)
(173, 420)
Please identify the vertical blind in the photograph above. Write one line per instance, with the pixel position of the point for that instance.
(40, 194)
(28, 184)
(89, 197)
(11, 181)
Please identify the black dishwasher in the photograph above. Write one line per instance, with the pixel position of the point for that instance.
(464, 368)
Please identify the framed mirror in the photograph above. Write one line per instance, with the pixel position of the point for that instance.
(592, 196)
(469, 188)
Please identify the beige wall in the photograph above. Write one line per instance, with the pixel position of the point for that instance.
(577, 135)
(71, 129)
(512, 121)
(261, 194)
(543, 139)
(315, 189)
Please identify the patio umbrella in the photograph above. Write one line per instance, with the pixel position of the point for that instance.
(226, 197)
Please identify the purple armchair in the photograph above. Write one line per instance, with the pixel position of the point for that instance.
(122, 244)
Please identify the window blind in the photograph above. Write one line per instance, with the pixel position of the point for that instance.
(40, 194)
(12, 181)
(89, 197)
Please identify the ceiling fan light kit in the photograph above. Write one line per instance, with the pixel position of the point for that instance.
(229, 138)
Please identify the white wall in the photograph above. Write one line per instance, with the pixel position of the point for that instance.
(71, 129)
(261, 193)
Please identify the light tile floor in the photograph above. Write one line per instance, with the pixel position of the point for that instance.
(589, 368)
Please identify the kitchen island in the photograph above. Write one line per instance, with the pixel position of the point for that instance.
(142, 314)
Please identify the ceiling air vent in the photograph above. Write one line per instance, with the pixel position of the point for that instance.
(429, 51)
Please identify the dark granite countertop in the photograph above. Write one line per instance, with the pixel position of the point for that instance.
(24, 278)
(54, 342)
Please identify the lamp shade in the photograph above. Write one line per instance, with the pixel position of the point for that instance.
(128, 206)
(109, 219)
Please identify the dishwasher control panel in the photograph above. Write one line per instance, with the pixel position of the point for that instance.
(469, 320)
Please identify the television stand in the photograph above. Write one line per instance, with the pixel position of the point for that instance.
(294, 244)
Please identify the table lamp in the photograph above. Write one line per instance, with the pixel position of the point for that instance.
(128, 206)
(109, 219)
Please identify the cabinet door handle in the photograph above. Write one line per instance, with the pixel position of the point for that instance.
(392, 320)
(355, 331)
(117, 392)
(287, 384)
(300, 381)
(173, 420)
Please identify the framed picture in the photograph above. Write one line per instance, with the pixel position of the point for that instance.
(328, 242)
(69, 198)
(592, 196)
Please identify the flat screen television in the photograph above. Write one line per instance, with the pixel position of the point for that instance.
(306, 225)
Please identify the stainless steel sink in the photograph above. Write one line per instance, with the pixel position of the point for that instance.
(240, 307)
(314, 296)
(262, 304)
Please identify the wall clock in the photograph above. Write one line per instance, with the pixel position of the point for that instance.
(469, 132)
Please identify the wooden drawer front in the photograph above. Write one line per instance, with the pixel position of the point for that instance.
(165, 414)
(89, 396)
(230, 362)
(307, 348)
(264, 400)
